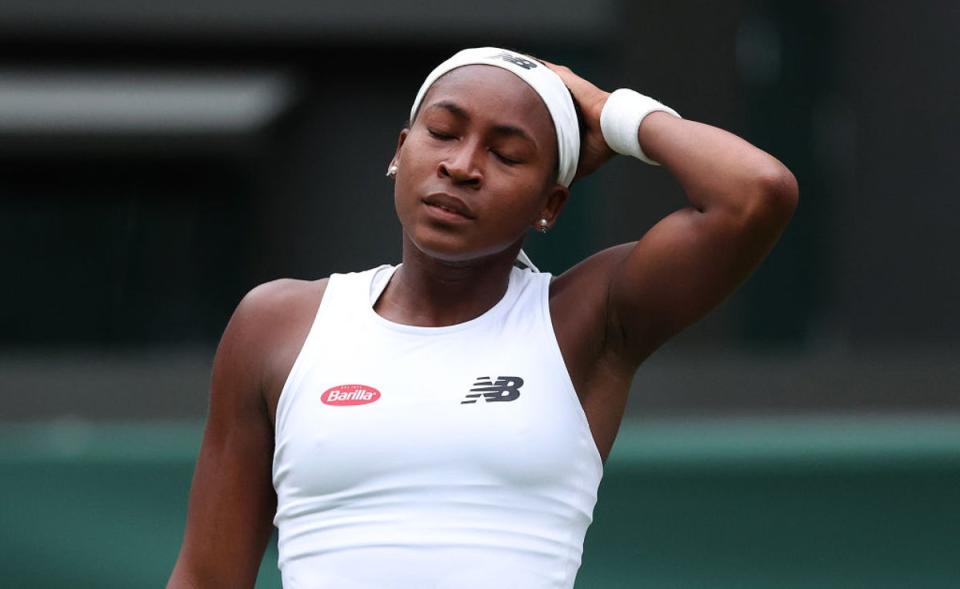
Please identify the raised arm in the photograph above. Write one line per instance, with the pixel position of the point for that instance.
(232, 501)
(740, 201)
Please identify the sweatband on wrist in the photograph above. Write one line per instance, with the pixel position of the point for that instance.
(620, 121)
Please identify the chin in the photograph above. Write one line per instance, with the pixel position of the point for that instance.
(452, 247)
(443, 246)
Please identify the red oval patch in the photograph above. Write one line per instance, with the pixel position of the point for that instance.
(350, 394)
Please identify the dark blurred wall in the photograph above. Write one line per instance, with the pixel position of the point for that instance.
(119, 249)
(897, 226)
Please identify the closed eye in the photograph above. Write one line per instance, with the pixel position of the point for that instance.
(438, 134)
(504, 159)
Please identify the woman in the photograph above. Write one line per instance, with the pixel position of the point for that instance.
(443, 423)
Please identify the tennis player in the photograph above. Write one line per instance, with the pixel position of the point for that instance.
(443, 423)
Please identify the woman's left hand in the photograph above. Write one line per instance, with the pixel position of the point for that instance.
(594, 151)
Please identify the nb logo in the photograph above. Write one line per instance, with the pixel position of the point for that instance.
(505, 388)
(516, 60)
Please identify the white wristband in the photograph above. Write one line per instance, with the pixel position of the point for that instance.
(620, 121)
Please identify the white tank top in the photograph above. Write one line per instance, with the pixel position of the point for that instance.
(454, 457)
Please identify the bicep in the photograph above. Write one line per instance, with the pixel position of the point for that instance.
(232, 501)
(682, 268)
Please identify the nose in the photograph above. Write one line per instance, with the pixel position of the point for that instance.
(462, 165)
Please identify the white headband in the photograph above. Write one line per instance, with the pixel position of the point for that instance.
(542, 79)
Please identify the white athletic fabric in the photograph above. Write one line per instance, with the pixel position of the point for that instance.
(542, 79)
(415, 479)
(620, 121)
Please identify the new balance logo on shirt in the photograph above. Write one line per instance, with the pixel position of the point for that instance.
(505, 388)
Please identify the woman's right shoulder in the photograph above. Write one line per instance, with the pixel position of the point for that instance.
(268, 328)
(274, 309)
(273, 312)
(277, 296)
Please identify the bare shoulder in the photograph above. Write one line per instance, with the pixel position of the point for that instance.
(280, 301)
(271, 297)
(232, 494)
(579, 295)
(273, 311)
(591, 275)
(579, 308)
(269, 327)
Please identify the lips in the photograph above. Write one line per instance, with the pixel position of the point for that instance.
(449, 204)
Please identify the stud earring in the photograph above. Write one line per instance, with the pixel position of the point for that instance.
(392, 171)
(543, 225)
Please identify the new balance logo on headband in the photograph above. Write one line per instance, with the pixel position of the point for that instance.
(505, 388)
(515, 60)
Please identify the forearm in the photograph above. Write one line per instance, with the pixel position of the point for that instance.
(215, 564)
(181, 578)
(718, 170)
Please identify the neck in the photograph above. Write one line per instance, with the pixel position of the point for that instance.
(428, 292)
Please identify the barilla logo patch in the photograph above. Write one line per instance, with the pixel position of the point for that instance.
(350, 394)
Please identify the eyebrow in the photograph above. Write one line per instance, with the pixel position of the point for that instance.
(507, 130)
(454, 108)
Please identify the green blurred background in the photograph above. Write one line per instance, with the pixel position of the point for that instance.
(828, 502)
(159, 160)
